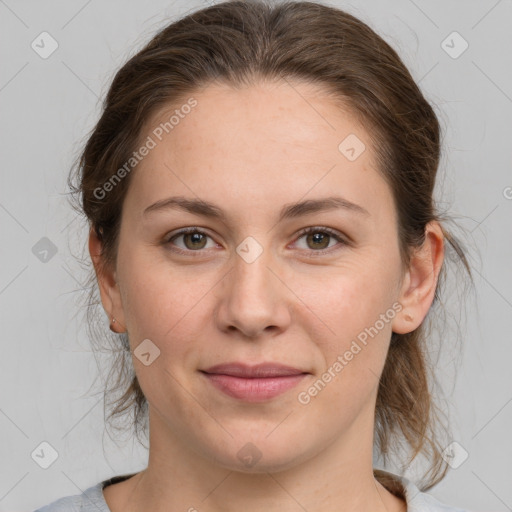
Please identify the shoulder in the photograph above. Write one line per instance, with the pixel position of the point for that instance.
(418, 501)
(423, 502)
(91, 500)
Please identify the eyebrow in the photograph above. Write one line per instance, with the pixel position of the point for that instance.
(288, 211)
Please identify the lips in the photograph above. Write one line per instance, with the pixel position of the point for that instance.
(262, 370)
(256, 383)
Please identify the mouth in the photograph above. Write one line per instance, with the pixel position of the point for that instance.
(256, 383)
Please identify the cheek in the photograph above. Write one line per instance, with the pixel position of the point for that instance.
(349, 298)
(354, 356)
(165, 305)
(356, 313)
(155, 295)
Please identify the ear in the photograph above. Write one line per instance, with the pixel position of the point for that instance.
(419, 284)
(107, 284)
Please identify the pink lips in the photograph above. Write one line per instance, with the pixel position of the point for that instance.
(253, 383)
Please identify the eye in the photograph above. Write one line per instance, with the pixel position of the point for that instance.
(319, 238)
(193, 239)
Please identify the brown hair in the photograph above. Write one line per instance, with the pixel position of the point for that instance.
(240, 42)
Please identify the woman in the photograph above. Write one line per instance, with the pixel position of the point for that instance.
(259, 190)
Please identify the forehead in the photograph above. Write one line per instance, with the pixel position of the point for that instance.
(266, 144)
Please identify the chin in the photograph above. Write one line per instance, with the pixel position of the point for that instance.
(259, 454)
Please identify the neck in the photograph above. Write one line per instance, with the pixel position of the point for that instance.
(339, 477)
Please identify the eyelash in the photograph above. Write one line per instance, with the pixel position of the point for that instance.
(305, 231)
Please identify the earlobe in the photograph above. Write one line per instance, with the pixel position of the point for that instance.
(419, 285)
(107, 283)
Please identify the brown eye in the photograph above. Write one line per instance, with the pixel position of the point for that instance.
(193, 240)
(318, 240)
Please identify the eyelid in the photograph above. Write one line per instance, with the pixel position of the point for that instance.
(183, 231)
(342, 239)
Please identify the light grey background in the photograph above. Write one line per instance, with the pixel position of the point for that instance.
(47, 108)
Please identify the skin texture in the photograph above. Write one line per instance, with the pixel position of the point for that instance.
(250, 151)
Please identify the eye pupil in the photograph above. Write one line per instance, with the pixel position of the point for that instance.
(197, 238)
(319, 237)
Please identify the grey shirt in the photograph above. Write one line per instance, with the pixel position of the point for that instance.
(92, 500)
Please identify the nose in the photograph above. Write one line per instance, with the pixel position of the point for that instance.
(253, 299)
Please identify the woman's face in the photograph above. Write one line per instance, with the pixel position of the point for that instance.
(248, 287)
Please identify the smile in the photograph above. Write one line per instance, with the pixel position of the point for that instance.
(253, 389)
